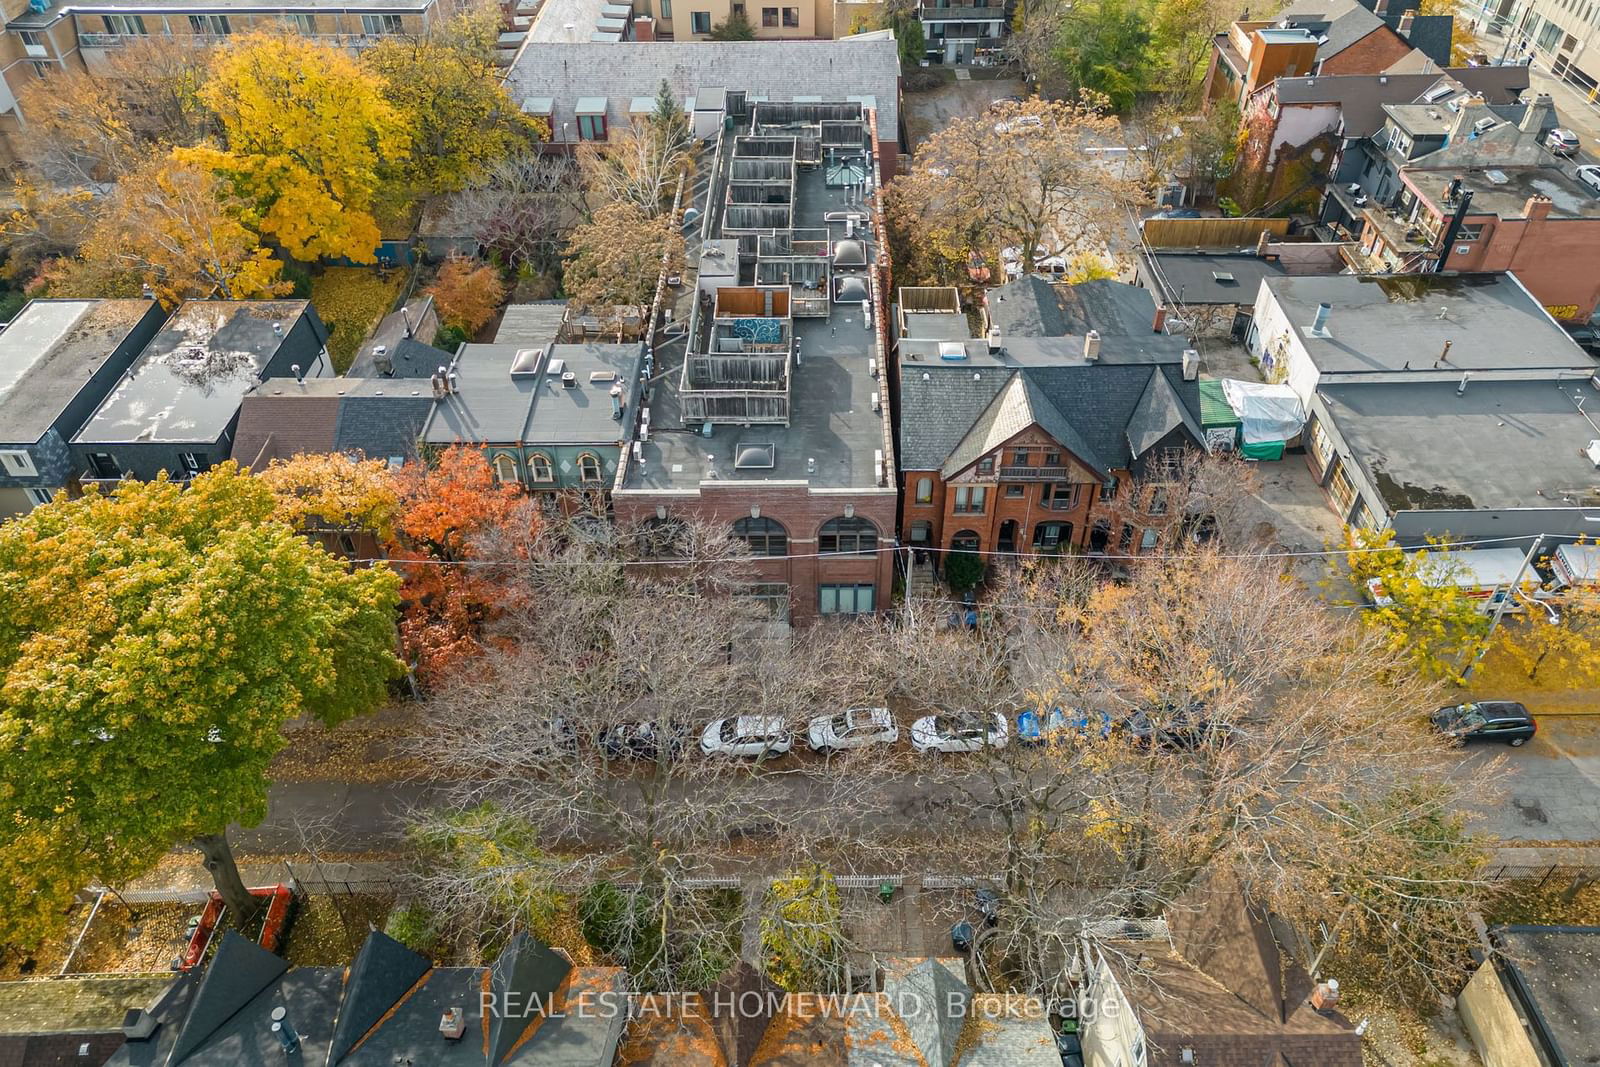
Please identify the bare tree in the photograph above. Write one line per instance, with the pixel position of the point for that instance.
(640, 165)
(521, 208)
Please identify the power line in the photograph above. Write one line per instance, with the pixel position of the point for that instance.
(897, 546)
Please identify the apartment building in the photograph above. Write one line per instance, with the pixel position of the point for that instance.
(770, 412)
(1563, 35)
(42, 36)
(692, 20)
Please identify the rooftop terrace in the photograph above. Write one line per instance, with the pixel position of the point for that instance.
(777, 376)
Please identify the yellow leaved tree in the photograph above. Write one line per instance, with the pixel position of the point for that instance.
(307, 135)
(333, 490)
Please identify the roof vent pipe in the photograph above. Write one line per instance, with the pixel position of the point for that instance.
(1319, 325)
(299, 375)
(1461, 389)
(1191, 364)
(1091, 346)
(1444, 356)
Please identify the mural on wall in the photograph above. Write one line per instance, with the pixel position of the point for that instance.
(1562, 311)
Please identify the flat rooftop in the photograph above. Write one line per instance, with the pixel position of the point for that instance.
(566, 21)
(1213, 277)
(493, 405)
(187, 383)
(49, 352)
(1504, 190)
(1557, 965)
(1500, 444)
(1399, 322)
(833, 435)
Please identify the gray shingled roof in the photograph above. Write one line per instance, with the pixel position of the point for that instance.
(1346, 22)
(1160, 411)
(931, 999)
(1361, 96)
(382, 972)
(1020, 403)
(1099, 401)
(1036, 307)
(239, 971)
(778, 70)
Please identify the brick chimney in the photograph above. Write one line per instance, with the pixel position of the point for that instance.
(1325, 995)
(1159, 325)
(1262, 242)
(1538, 115)
(1537, 208)
(1404, 29)
(644, 28)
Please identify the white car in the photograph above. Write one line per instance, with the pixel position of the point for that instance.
(855, 728)
(747, 735)
(1589, 175)
(958, 733)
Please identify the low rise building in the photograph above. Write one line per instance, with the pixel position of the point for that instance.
(551, 418)
(1052, 432)
(770, 412)
(175, 409)
(58, 360)
(586, 89)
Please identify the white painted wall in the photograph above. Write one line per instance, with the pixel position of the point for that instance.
(1277, 345)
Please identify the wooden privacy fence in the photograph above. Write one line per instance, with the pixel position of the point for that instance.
(1210, 233)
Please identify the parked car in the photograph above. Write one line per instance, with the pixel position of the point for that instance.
(1486, 720)
(1177, 727)
(1562, 141)
(1031, 732)
(558, 734)
(855, 728)
(1589, 175)
(1021, 122)
(643, 740)
(747, 735)
(948, 732)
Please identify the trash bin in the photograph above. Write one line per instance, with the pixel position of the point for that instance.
(886, 892)
(961, 936)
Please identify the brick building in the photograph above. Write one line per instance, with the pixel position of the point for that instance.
(769, 413)
(1035, 441)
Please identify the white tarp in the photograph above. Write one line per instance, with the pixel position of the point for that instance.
(1267, 413)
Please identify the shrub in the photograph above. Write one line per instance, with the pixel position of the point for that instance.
(467, 293)
(963, 570)
(802, 931)
(413, 927)
(351, 301)
(300, 278)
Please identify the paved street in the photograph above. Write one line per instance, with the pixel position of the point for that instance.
(1553, 791)
(1552, 794)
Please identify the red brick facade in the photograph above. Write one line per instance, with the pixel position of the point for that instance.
(1030, 507)
(802, 513)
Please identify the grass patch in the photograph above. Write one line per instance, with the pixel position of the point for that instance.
(329, 928)
(351, 301)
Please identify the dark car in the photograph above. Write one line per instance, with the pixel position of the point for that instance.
(642, 740)
(1177, 728)
(1486, 720)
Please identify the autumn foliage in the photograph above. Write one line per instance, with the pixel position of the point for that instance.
(467, 292)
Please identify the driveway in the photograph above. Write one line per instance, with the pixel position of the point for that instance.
(1552, 786)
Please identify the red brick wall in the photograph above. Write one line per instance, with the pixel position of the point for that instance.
(1554, 258)
(1373, 54)
(802, 514)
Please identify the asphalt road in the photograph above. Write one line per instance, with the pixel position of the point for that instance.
(1552, 794)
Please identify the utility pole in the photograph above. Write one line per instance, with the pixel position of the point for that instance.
(1500, 608)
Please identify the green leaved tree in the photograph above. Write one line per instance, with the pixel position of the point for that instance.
(153, 643)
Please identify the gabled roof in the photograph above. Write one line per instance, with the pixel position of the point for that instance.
(1342, 22)
(742, 1003)
(1159, 412)
(931, 997)
(382, 972)
(239, 971)
(527, 973)
(1020, 403)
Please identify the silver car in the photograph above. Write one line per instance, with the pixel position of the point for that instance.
(1562, 142)
(958, 733)
(855, 728)
(747, 735)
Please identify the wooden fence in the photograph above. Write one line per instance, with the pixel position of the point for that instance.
(1210, 233)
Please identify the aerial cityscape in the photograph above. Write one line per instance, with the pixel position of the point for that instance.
(878, 533)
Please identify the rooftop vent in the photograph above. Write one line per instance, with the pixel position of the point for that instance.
(755, 456)
(952, 351)
(569, 380)
(452, 1024)
(1498, 177)
(1223, 277)
(601, 377)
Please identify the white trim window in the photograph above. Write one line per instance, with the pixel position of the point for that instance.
(18, 464)
(40, 497)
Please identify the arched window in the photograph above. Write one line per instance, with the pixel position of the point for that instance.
(852, 536)
(539, 468)
(505, 469)
(589, 468)
(965, 541)
(766, 537)
(924, 490)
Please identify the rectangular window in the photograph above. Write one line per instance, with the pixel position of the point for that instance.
(1014, 490)
(986, 465)
(699, 22)
(1158, 500)
(769, 16)
(1469, 232)
(1019, 457)
(1059, 496)
(791, 17)
(34, 40)
(302, 23)
(1052, 459)
(378, 25)
(772, 596)
(1321, 444)
(738, 11)
(126, 25)
(666, 10)
(1125, 539)
(17, 462)
(845, 599)
(41, 69)
(1108, 491)
(969, 500)
(217, 25)
(1342, 491)
(924, 490)
(591, 127)
(1149, 539)
(40, 497)
(192, 462)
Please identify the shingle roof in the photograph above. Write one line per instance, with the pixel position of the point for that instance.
(382, 972)
(1346, 22)
(777, 70)
(1020, 403)
(377, 417)
(239, 971)
(1361, 96)
(526, 972)
(1098, 401)
(1036, 307)
(1159, 412)
(931, 997)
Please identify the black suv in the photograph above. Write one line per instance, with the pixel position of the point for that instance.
(1486, 720)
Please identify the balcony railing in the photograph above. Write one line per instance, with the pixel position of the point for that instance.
(1036, 474)
(962, 14)
(356, 41)
(105, 481)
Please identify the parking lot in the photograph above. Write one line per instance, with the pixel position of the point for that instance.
(1551, 787)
